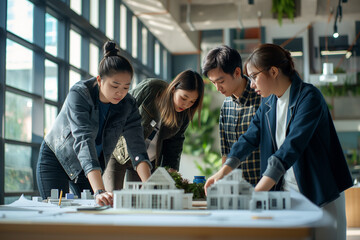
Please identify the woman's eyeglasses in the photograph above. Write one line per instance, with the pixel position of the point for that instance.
(252, 77)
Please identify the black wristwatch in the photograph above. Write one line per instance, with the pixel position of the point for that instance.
(100, 191)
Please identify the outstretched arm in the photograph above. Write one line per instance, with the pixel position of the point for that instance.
(217, 176)
(105, 198)
(143, 171)
(265, 184)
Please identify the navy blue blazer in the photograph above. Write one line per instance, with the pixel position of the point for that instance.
(311, 145)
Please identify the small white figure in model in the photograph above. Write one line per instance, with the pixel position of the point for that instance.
(86, 194)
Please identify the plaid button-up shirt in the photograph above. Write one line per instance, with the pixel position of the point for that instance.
(235, 118)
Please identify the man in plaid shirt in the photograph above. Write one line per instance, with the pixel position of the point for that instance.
(223, 66)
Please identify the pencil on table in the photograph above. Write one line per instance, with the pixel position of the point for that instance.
(262, 217)
(61, 192)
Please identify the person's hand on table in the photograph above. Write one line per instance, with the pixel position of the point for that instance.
(217, 176)
(105, 198)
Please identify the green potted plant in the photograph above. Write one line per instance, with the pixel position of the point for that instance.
(196, 188)
(283, 8)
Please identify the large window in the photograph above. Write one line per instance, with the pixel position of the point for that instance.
(74, 77)
(75, 49)
(51, 80)
(165, 64)
(157, 58)
(50, 116)
(18, 117)
(123, 28)
(76, 6)
(94, 13)
(134, 37)
(20, 18)
(110, 19)
(19, 66)
(51, 34)
(94, 60)
(19, 176)
(43, 61)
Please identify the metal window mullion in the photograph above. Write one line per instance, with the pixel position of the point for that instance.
(38, 76)
(39, 25)
(85, 55)
(102, 16)
(161, 59)
(169, 64)
(38, 103)
(85, 9)
(22, 92)
(117, 20)
(63, 68)
(23, 42)
(150, 51)
(129, 15)
(139, 37)
(3, 14)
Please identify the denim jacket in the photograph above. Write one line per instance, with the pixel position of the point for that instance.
(311, 145)
(170, 140)
(72, 137)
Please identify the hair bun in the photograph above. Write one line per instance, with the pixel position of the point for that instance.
(110, 49)
(287, 53)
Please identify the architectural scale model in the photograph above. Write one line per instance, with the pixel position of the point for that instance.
(69, 198)
(234, 192)
(158, 192)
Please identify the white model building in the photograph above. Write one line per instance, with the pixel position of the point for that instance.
(158, 192)
(234, 192)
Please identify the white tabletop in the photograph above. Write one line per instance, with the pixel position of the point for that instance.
(303, 213)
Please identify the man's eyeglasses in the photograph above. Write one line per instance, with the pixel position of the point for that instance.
(252, 77)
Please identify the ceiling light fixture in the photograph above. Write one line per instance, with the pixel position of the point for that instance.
(336, 33)
(334, 52)
(348, 54)
(296, 53)
(328, 73)
(338, 15)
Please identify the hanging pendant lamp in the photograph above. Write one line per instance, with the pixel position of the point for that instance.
(328, 73)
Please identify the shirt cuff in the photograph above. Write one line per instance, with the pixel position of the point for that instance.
(232, 162)
(275, 169)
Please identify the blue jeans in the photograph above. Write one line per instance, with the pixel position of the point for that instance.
(51, 175)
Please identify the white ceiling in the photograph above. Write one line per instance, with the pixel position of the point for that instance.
(176, 23)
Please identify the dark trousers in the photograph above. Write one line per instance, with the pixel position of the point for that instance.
(51, 175)
(114, 174)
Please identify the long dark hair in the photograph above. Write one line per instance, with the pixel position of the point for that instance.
(187, 80)
(268, 55)
(113, 62)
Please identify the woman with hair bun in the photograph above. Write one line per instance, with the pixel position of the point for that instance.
(166, 110)
(299, 147)
(95, 113)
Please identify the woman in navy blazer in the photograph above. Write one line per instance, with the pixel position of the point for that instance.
(299, 146)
